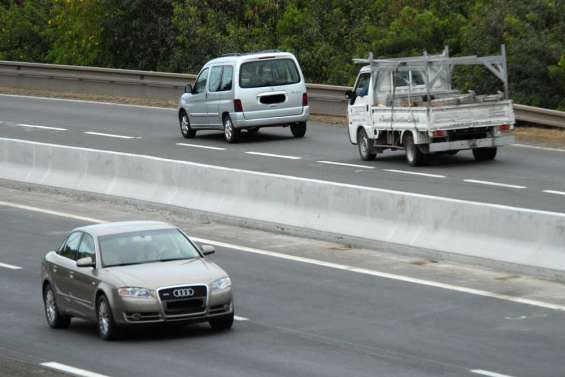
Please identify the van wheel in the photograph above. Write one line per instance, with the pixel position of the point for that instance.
(185, 129)
(366, 150)
(231, 134)
(484, 154)
(298, 129)
(55, 319)
(414, 156)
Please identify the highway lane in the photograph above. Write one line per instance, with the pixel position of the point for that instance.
(521, 177)
(304, 320)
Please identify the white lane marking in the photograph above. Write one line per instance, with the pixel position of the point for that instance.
(493, 183)
(317, 262)
(386, 275)
(89, 102)
(72, 370)
(344, 164)
(10, 266)
(201, 146)
(239, 318)
(41, 127)
(537, 147)
(111, 135)
(415, 173)
(300, 179)
(554, 192)
(488, 373)
(274, 155)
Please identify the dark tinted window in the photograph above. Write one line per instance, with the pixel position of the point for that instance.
(200, 85)
(86, 248)
(268, 73)
(362, 87)
(215, 79)
(227, 77)
(70, 248)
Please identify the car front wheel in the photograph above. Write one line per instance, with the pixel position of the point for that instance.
(222, 323)
(107, 328)
(54, 317)
(185, 129)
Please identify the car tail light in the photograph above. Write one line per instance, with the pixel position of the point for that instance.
(237, 106)
(305, 99)
(504, 128)
(439, 133)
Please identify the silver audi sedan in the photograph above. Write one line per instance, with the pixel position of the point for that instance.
(134, 273)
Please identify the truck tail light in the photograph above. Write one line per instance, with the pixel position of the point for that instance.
(439, 133)
(237, 106)
(305, 99)
(505, 128)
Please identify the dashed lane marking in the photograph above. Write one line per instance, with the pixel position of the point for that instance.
(41, 127)
(111, 135)
(71, 370)
(489, 183)
(415, 173)
(274, 155)
(345, 164)
(10, 266)
(201, 146)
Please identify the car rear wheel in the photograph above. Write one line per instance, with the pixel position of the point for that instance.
(222, 323)
(107, 328)
(484, 154)
(231, 134)
(54, 317)
(185, 129)
(414, 156)
(364, 144)
(298, 129)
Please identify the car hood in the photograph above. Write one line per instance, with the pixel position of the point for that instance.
(165, 274)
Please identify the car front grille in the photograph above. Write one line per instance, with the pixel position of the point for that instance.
(184, 299)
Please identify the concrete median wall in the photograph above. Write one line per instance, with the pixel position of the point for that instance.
(511, 235)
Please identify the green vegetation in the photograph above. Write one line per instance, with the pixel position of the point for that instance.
(181, 35)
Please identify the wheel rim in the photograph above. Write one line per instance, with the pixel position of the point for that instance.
(410, 151)
(228, 129)
(50, 307)
(184, 124)
(103, 318)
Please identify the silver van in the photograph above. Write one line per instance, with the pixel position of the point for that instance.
(246, 92)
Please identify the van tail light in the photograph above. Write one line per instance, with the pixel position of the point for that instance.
(439, 133)
(305, 99)
(505, 128)
(237, 106)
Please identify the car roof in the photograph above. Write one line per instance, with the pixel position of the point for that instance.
(237, 58)
(124, 227)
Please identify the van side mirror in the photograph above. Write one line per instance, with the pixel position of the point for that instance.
(86, 262)
(188, 88)
(208, 249)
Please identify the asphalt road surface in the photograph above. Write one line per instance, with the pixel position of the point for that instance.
(296, 319)
(521, 176)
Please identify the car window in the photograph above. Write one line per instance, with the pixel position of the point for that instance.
(200, 85)
(227, 77)
(215, 79)
(145, 247)
(70, 249)
(362, 87)
(86, 248)
(272, 72)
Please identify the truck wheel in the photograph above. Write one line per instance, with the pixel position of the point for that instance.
(185, 129)
(414, 156)
(231, 134)
(484, 154)
(298, 129)
(364, 144)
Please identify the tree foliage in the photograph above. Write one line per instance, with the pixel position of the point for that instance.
(181, 35)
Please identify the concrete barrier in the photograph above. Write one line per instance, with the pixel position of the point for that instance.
(506, 234)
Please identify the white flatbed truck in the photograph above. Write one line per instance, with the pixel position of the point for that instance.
(409, 104)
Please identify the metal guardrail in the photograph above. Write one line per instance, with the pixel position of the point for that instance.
(324, 99)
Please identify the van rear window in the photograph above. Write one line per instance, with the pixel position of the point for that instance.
(268, 73)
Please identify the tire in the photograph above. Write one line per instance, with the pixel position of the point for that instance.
(484, 154)
(366, 150)
(414, 156)
(231, 134)
(222, 323)
(184, 123)
(298, 129)
(54, 318)
(107, 328)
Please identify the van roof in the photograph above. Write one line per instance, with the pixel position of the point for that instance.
(238, 58)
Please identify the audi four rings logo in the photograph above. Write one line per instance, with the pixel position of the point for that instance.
(183, 292)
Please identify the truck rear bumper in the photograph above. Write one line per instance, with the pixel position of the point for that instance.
(471, 144)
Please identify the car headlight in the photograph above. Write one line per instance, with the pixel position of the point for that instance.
(221, 284)
(135, 292)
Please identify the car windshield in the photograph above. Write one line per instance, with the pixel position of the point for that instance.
(268, 73)
(145, 247)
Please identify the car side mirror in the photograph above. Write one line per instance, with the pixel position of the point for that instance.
(208, 249)
(188, 88)
(85, 262)
(348, 94)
